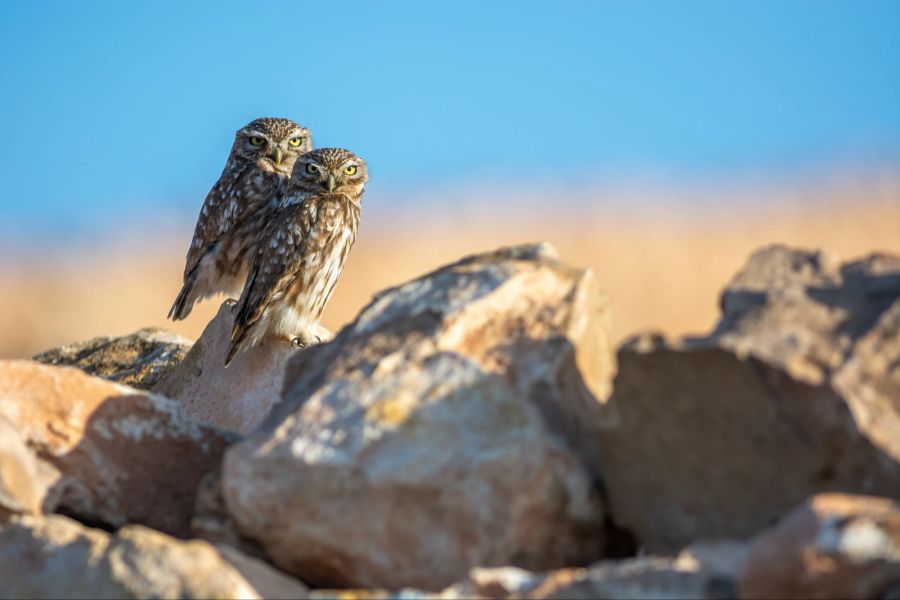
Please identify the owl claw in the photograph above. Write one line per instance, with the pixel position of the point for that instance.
(231, 302)
(304, 340)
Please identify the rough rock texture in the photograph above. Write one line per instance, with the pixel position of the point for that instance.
(835, 546)
(793, 394)
(430, 436)
(24, 480)
(120, 455)
(55, 557)
(236, 398)
(138, 360)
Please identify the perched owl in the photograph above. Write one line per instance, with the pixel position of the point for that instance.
(302, 250)
(237, 209)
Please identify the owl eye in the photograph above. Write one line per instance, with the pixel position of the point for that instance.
(295, 141)
(351, 170)
(257, 141)
(311, 168)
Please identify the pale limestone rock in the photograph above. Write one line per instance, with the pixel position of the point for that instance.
(834, 546)
(119, 455)
(55, 557)
(238, 397)
(437, 432)
(139, 359)
(794, 393)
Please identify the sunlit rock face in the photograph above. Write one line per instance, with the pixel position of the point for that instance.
(441, 430)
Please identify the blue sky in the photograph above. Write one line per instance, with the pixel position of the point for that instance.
(113, 106)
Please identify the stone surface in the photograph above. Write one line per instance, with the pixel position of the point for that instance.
(24, 480)
(138, 360)
(794, 393)
(120, 455)
(211, 521)
(55, 557)
(431, 435)
(237, 397)
(834, 546)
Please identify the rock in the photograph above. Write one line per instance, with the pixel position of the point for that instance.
(793, 394)
(834, 546)
(497, 582)
(648, 578)
(211, 521)
(138, 360)
(722, 559)
(238, 397)
(55, 557)
(870, 381)
(431, 435)
(120, 455)
(363, 594)
(24, 480)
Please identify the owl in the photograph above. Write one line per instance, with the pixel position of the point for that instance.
(301, 252)
(237, 208)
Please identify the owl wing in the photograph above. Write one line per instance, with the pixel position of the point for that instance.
(278, 262)
(221, 209)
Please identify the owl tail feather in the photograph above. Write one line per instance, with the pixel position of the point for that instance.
(182, 308)
(233, 349)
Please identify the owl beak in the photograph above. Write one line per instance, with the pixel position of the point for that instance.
(278, 155)
(330, 183)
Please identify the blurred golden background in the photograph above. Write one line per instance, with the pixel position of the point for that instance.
(662, 253)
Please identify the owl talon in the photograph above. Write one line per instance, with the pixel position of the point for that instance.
(231, 302)
(297, 343)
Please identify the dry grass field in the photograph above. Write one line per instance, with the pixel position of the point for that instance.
(662, 257)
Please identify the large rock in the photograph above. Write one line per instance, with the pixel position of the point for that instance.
(138, 360)
(117, 455)
(237, 397)
(431, 435)
(834, 546)
(794, 393)
(55, 557)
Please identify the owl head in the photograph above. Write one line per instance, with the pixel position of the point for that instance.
(330, 170)
(272, 144)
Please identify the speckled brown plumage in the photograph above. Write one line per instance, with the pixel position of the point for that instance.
(302, 250)
(234, 212)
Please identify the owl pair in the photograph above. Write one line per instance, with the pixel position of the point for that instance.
(274, 232)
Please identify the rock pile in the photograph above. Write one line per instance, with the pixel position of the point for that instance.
(794, 393)
(473, 434)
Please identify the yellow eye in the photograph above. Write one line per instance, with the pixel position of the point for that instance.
(295, 141)
(257, 141)
(311, 168)
(351, 170)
